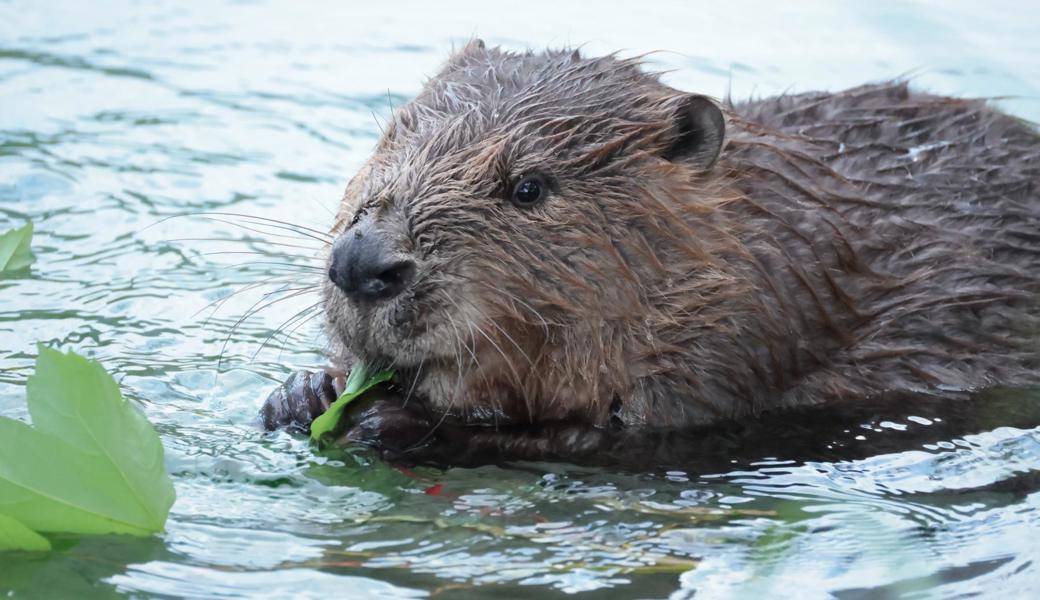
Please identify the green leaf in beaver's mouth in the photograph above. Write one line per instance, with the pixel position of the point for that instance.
(358, 383)
(14, 248)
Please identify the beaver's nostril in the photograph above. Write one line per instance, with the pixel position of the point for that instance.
(382, 282)
(365, 270)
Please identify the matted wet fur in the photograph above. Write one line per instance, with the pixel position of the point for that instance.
(840, 245)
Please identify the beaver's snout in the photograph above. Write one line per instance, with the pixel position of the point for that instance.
(367, 267)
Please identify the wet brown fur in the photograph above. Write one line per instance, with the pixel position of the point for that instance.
(844, 244)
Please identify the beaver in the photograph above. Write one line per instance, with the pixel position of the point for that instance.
(549, 247)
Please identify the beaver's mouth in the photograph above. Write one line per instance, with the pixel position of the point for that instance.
(428, 350)
(453, 354)
(422, 326)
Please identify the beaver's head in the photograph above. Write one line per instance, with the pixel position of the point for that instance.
(513, 244)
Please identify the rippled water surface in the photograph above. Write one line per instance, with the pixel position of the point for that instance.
(114, 116)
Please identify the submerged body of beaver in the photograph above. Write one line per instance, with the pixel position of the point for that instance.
(549, 247)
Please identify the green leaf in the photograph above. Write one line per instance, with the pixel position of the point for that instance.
(16, 536)
(90, 464)
(14, 248)
(357, 383)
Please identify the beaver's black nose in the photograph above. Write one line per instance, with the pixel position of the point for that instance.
(364, 267)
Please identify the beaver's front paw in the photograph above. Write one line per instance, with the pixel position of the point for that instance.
(386, 423)
(301, 399)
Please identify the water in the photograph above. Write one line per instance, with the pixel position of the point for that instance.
(114, 116)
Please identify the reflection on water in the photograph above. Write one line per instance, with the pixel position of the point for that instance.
(116, 116)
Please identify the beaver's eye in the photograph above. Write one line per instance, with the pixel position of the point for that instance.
(529, 191)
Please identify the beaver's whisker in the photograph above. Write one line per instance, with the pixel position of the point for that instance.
(256, 310)
(281, 225)
(516, 345)
(292, 332)
(253, 310)
(458, 345)
(299, 234)
(454, 394)
(263, 255)
(313, 268)
(272, 280)
(278, 329)
(231, 331)
(517, 379)
(497, 290)
(415, 381)
(505, 357)
(323, 206)
(248, 240)
(433, 430)
(494, 398)
(470, 348)
(521, 302)
(277, 223)
(555, 396)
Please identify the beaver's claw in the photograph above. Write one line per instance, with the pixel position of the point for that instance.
(302, 398)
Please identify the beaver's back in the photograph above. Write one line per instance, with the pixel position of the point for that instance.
(906, 227)
(953, 148)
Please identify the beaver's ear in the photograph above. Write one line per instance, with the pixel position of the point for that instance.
(699, 131)
(473, 47)
(464, 56)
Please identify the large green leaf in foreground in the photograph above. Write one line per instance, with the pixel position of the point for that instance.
(15, 536)
(14, 248)
(357, 384)
(90, 464)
